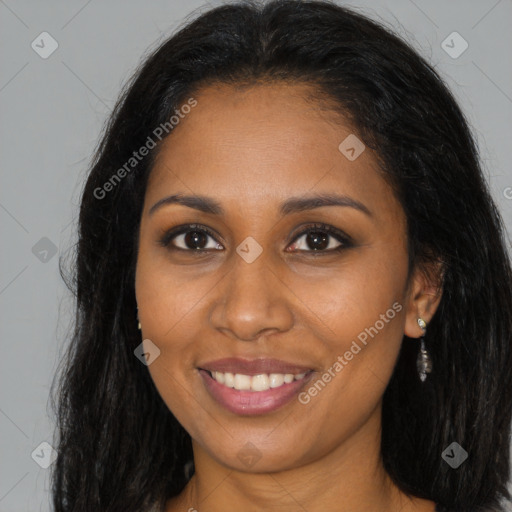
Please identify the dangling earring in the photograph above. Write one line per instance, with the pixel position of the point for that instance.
(138, 326)
(424, 361)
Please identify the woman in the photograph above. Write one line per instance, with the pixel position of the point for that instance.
(292, 284)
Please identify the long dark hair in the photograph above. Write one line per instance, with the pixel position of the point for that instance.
(119, 447)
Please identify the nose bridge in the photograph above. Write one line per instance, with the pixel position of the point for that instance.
(253, 300)
(251, 278)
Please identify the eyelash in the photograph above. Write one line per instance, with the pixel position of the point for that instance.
(341, 237)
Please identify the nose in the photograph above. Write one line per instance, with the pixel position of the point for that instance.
(252, 300)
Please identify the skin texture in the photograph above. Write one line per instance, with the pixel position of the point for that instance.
(251, 149)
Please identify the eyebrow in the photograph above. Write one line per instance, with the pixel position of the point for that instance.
(294, 204)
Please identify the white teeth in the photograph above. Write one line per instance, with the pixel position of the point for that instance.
(229, 380)
(261, 382)
(242, 382)
(276, 380)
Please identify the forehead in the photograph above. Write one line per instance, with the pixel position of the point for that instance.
(263, 143)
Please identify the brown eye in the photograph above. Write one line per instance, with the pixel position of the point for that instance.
(190, 238)
(321, 238)
(195, 239)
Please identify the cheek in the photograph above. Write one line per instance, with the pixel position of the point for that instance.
(177, 390)
(361, 343)
(166, 312)
(168, 298)
(352, 297)
(362, 318)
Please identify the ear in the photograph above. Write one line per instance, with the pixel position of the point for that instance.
(423, 297)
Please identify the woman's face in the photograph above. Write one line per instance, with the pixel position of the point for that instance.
(268, 283)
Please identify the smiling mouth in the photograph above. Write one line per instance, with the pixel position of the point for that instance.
(256, 383)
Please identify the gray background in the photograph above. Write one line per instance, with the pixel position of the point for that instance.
(52, 112)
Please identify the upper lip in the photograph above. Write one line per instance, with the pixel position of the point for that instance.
(253, 366)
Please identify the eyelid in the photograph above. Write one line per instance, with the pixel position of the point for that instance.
(345, 240)
(172, 233)
(342, 237)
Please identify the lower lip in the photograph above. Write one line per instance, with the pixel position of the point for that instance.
(252, 402)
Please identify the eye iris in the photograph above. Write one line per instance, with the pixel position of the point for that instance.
(317, 240)
(195, 237)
